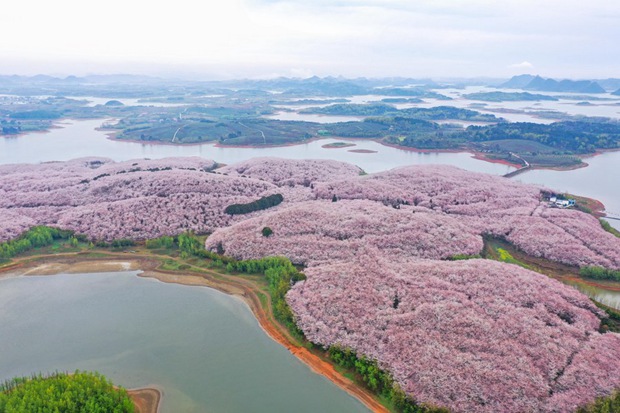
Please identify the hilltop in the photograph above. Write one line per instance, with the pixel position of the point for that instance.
(538, 83)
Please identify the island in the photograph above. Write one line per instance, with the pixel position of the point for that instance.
(336, 145)
(245, 113)
(405, 279)
(508, 97)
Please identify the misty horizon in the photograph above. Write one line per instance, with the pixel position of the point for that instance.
(350, 38)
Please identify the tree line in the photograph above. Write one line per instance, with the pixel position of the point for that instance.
(258, 205)
(280, 273)
(36, 237)
(379, 381)
(600, 273)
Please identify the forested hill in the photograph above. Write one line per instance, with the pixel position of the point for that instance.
(539, 83)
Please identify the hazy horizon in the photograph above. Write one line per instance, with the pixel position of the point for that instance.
(350, 38)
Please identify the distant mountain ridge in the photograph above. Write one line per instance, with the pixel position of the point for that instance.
(538, 83)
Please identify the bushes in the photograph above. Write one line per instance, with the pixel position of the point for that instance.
(122, 243)
(607, 227)
(36, 237)
(161, 242)
(377, 380)
(258, 205)
(600, 273)
(81, 392)
(281, 274)
(460, 257)
(609, 404)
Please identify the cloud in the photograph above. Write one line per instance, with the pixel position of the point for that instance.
(523, 65)
(323, 37)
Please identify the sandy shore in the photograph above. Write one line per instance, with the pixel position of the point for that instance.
(236, 286)
(146, 400)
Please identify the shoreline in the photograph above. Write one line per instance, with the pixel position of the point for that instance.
(237, 287)
(481, 156)
(146, 399)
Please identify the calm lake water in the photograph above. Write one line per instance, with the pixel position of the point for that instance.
(79, 138)
(203, 347)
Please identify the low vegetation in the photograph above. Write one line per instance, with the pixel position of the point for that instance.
(36, 237)
(578, 137)
(378, 381)
(607, 227)
(600, 273)
(79, 392)
(609, 404)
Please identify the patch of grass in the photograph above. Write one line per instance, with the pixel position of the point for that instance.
(552, 161)
(505, 256)
(518, 146)
(461, 257)
(263, 299)
(607, 227)
(170, 265)
(495, 249)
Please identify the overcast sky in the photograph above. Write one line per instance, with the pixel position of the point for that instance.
(266, 38)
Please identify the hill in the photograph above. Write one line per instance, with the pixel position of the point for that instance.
(379, 252)
(541, 84)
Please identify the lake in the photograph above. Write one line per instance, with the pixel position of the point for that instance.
(204, 348)
(79, 138)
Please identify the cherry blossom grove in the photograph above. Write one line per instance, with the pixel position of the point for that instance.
(292, 172)
(492, 205)
(323, 231)
(134, 199)
(473, 335)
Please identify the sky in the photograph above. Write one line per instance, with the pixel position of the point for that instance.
(300, 38)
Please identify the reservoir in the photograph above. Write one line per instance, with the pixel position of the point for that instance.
(205, 349)
(79, 138)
